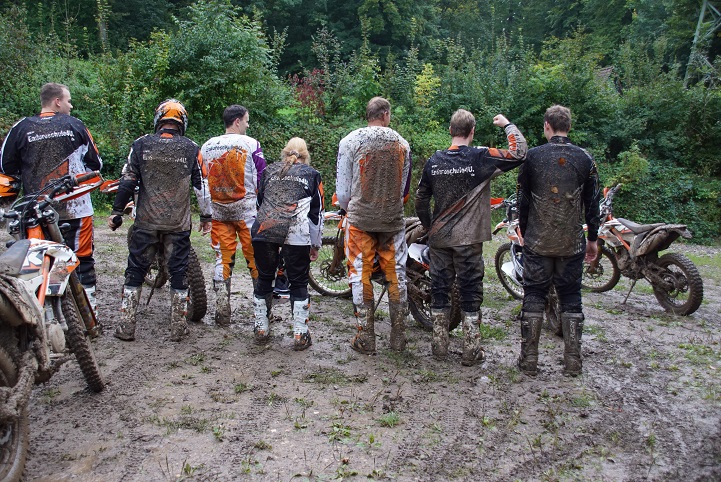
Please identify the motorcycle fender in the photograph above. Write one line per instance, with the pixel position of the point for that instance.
(420, 254)
(18, 305)
(65, 263)
(659, 239)
(509, 269)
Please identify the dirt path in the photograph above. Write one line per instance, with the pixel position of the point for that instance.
(217, 407)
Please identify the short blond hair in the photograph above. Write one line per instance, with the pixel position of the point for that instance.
(376, 108)
(559, 118)
(296, 149)
(462, 123)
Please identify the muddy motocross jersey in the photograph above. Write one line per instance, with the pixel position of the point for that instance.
(459, 179)
(164, 165)
(373, 175)
(290, 206)
(47, 146)
(558, 190)
(235, 164)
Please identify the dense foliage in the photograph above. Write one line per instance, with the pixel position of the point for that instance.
(307, 68)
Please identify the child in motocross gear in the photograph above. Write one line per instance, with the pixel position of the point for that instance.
(52, 144)
(557, 192)
(290, 216)
(373, 176)
(459, 179)
(164, 165)
(235, 164)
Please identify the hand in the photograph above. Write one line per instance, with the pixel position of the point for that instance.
(205, 227)
(500, 121)
(591, 251)
(313, 254)
(115, 221)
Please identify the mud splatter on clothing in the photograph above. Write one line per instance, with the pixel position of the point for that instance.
(47, 146)
(373, 178)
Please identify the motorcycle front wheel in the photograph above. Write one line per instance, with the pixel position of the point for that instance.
(503, 255)
(79, 344)
(682, 292)
(326, 279)
(14, 434)
(419, 302)
(606, 274)
(198, 297)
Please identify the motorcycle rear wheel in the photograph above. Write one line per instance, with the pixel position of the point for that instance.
(15, 434)
(687, 293)
(79, 344)
(198, 303)
(419, 303)
(606, 275)
(324, 282)
(503, 255)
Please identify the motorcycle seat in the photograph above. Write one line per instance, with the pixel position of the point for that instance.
(639, 228)
(11, 261)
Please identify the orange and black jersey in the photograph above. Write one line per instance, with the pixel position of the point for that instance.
(290, 206)
(164, 165)
(47, 146)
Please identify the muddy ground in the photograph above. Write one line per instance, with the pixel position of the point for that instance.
(218, 407)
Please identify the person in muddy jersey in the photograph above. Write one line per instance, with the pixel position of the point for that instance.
(235, 164)
(557, 192)
(459, 179)
(163, 165)
(290, 216)
(373, 175)
(45, 147)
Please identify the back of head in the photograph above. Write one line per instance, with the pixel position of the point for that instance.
(462, 123)
(558, 118)
(233, 112)
(51, 91)
(171, 110)
(295, 150)
(376, 108)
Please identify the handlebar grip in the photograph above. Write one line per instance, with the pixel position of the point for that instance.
(85, 177)
(118, 221)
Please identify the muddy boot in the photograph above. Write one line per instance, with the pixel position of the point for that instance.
(178, 314)
(398, 326)
(364, 341)
(531, 323)
(261, 309)
(572, 330)
(472, 349)
(222, 302)
(131, 298)
(439, 345)
(301, 335)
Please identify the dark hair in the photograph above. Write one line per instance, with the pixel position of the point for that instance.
(462, 123)
(51, 91)
(559, 118)
(233, 112)
(376, 108)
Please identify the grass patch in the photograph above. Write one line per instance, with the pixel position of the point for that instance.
(492, 332)
(390, 419)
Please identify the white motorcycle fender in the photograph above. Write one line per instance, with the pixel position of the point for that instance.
(420, 253)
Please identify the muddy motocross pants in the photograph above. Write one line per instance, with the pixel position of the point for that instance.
(565, 274)
(224, 237)
(143, 248)
(461, 263)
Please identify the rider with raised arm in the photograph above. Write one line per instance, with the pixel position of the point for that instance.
(459, 179)
(164, 165)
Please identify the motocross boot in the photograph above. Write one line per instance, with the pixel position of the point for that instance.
(301, 335)
(178, 314)
(472, 350)
(131, 297)
(364, 341)
(572, 329)
(261, 309)
(439, 345)
(531, 323)
(398, 327)
(222, 302)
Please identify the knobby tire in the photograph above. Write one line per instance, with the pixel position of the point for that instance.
(337, 288)
(504, 251)
(691, 284)
(16, 433)
(198, 303)
(607, 277)
(79, 344)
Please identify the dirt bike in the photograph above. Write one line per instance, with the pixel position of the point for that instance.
(676, 282)
(45, 317)
(329, 273)
(158, 274)
(509, 263)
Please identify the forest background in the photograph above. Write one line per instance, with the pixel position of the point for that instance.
(308, 67)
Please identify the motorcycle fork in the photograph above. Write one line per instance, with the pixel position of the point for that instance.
(338, 251)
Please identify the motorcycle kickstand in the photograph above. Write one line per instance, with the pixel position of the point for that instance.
(375, 307)
(150, 295)
(633, 283)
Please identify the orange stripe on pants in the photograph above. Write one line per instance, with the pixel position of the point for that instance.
(224, 237)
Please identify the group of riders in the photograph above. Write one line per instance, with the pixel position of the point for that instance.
(275, 212)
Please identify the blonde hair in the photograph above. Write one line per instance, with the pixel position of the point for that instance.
(295, 150)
